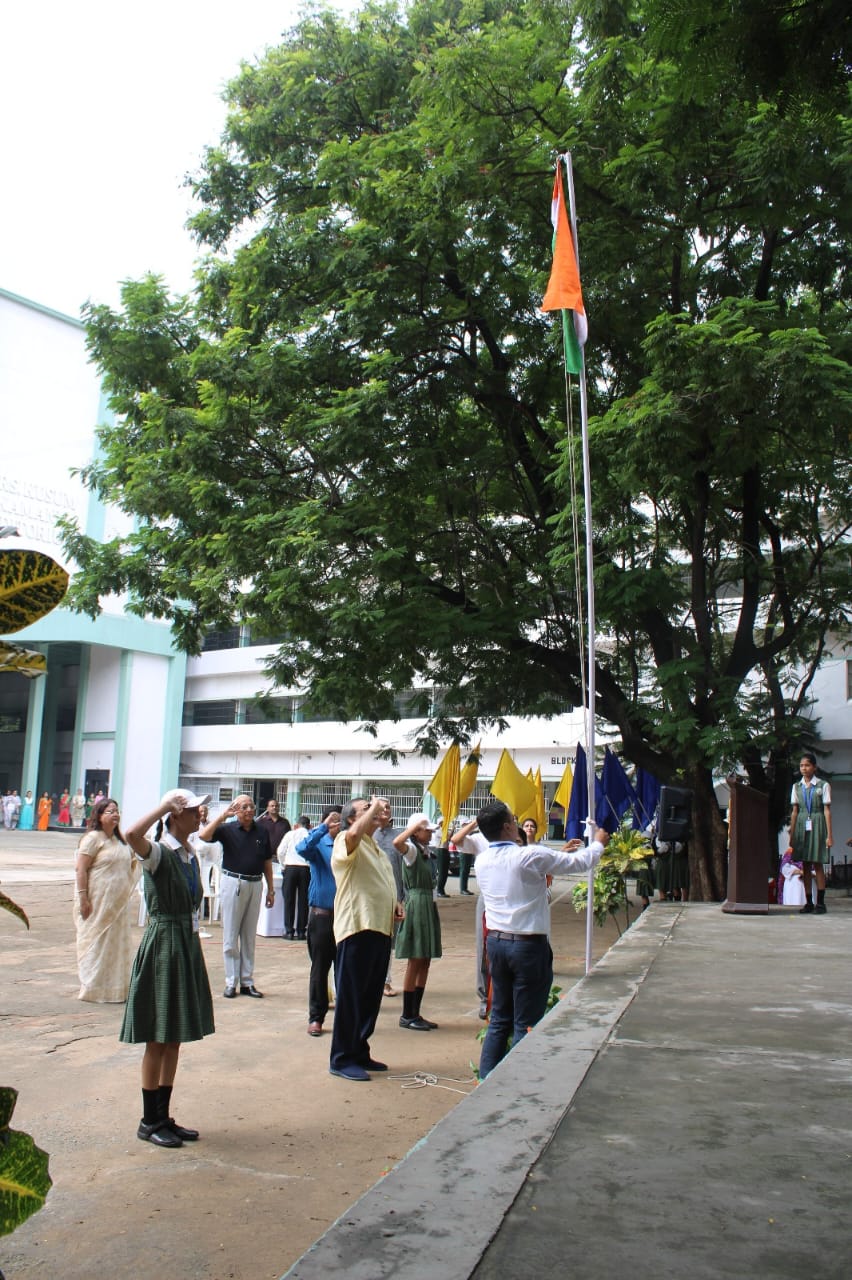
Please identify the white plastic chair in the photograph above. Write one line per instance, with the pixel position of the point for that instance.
(210, 877)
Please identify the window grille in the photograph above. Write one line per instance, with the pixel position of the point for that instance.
(226, 639)
(405, 798)
(269, 711)
(200, 786)
(317, 796)
(480, 796)
(221, 711)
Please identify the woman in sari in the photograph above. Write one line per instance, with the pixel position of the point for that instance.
(45, 805)
(64, 818)
(106, 875)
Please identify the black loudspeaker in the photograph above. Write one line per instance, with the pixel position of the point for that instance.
(674, 816)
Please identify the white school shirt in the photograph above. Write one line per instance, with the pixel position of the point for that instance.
(512, 879)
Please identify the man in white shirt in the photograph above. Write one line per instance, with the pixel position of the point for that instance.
(513, 881)
(296, 881)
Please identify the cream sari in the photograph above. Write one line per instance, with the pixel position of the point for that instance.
(105, 946)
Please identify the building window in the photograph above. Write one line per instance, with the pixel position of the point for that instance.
(200, 786)
(405, 798)
(228, 639)
(269, 711)
(254, 638)
(317, 796)
(223, 711)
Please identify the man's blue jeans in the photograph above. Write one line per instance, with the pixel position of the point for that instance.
(521, 978)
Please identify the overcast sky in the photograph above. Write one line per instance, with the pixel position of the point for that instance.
(105, 107)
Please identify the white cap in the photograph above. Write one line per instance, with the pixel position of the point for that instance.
(190, 800)
(421, 820)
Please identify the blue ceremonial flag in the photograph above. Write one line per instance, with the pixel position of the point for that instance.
(578, 807)
(617, 793)
(647, 798)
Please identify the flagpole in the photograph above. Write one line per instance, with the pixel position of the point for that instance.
(590, 581)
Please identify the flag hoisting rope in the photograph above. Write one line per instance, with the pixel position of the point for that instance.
(564, 293)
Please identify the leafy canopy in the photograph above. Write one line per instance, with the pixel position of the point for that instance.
(354, 432)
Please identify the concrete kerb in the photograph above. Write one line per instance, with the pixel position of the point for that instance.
(447, 1199)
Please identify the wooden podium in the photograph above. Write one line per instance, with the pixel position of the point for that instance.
(748, 841)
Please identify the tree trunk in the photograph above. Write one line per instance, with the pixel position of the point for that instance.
(708, 844)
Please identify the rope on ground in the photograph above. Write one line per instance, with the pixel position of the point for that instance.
(426, 1079)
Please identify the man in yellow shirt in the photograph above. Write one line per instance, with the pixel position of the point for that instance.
(365, 909)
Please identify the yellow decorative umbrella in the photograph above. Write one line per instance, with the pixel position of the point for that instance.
(32, 583)
(27, 662)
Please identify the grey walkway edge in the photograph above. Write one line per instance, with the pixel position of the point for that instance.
(685, 1110)
(436, 1212)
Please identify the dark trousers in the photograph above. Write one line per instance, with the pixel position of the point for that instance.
(465, 864)
(521, 978)
(360, 972)
(442, 868)
(295, 891)
(322, 950)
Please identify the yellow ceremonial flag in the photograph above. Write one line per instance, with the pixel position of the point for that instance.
(563, 791)
(541, 816)
(535, 810)
(531, 810)
(445, 788)
(511, 786)
(467, 778)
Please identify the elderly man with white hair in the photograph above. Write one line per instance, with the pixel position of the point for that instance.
(365, 908)
(246, 862)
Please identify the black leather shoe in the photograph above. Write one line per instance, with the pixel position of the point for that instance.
(251, 990)
(230, 993)
(160, 1134)
(807, 909)
(414, 1024)
(432, 1026)
(372, 1065)
(441, 894)
(468, 893)
(185, 1135)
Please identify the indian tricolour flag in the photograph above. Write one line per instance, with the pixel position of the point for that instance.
(563, 290)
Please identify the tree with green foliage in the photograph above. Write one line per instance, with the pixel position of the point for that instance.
(353, 433)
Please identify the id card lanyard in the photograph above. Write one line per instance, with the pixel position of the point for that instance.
(808, 793)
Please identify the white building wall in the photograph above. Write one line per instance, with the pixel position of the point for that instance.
(102, 697)
(147, 710)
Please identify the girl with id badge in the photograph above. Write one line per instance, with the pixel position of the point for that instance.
(169, 1001)
(810, 830)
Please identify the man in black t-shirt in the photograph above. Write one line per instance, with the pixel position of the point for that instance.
(246, 862)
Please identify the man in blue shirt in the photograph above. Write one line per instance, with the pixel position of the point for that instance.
(316, 849)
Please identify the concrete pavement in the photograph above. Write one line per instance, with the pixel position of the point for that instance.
(686, 1110)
